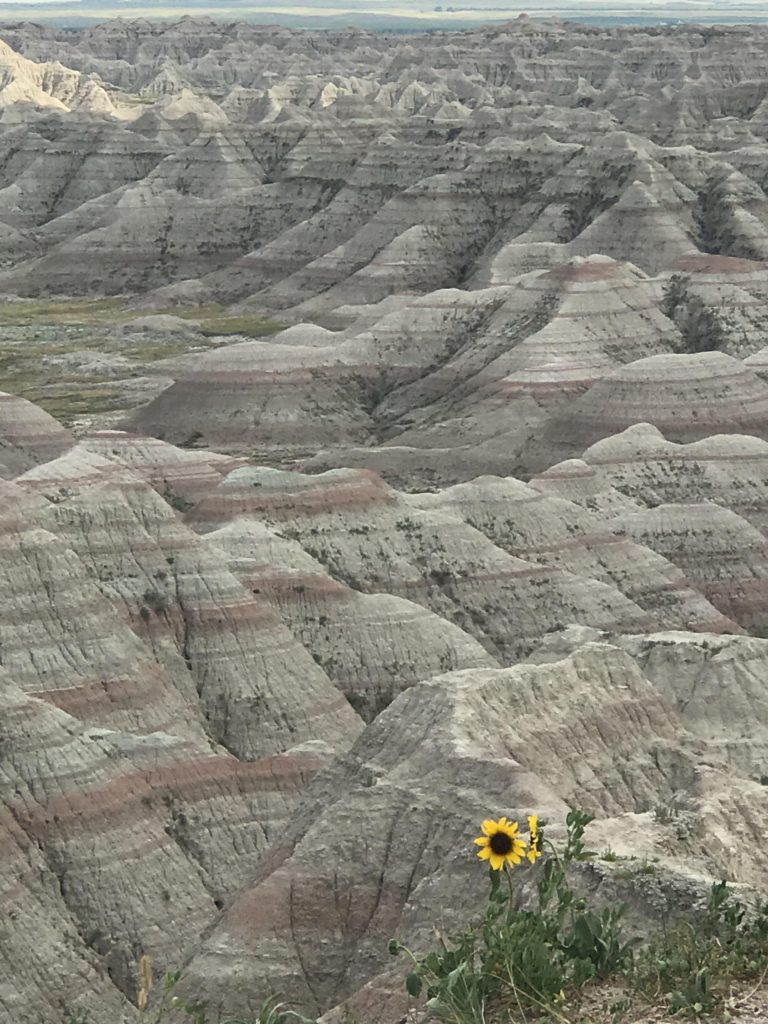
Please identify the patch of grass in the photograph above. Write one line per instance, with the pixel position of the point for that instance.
(216, 321)
(148, 351)
(35, 330)
(632, 870)
(213, 318)
(74, 400)
(81, 311)
(249, 325)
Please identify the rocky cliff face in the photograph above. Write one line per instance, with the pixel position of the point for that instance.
(48, 84)
(482, 530)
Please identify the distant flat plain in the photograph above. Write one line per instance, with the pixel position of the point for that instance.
(378, 14)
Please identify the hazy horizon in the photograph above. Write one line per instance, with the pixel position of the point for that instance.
(405, 15)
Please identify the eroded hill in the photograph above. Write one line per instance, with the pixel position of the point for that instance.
(441, 490)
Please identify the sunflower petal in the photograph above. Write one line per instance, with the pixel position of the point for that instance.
(485, 854)
(490, 827)
(497, 861)
(482, 841)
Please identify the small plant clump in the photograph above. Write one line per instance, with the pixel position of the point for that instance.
(700, 328)
(527, 957)
(520, 964)
(692, 965)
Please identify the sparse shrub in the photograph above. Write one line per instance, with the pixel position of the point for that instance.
(699, 326)
(675, 294)
(155, 600)
(441, 577)
(192, 440)
(178, 501)
(665, 814)
(639, 867)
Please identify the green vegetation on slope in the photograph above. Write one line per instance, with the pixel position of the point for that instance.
(33, 333)
(571, 962)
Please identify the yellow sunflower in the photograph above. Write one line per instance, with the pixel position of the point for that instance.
(500, 843)
(534, 847)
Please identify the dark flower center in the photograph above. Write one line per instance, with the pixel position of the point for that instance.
(501, 843)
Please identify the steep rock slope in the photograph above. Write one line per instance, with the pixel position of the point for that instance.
(131, 660)
(184, 637)
(513, 738)
(48, 85)
(502, 380)
(194, 614)
(27, 435)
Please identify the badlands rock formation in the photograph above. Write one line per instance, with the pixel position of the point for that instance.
(465, 236)
(212, 672)
(28, 435)
(48, 85)
(482, 530)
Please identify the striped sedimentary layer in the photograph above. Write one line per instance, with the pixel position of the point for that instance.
(504, 379)
(212, 672)
(324, 169)
(480, 555)
(28, 435)
(318, 924)
(159, 722)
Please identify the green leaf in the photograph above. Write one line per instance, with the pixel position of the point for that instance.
(432, 962)
(413, 985)
(393, 946)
